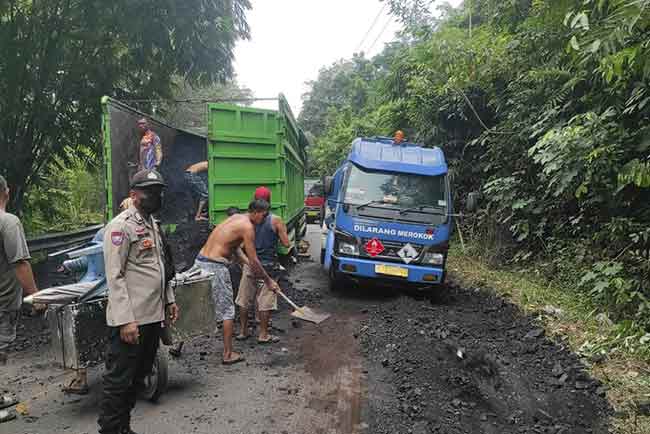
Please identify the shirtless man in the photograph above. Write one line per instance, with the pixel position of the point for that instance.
(224, 243)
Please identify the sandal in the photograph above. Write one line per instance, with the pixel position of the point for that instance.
(272, 339)
(242, 337)
(6, 416)
(73, 389)
(237, 359)
(7, 401)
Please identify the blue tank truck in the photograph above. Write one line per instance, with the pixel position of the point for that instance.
(388, 215)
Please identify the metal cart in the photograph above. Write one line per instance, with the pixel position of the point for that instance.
(79, 331)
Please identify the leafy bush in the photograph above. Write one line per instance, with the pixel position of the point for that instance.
(68, 196)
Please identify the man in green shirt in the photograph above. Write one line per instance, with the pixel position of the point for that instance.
(16, 277)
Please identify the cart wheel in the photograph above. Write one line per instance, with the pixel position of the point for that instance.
(155, 383)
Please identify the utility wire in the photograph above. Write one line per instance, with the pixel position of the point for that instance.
(380, 33)
(371, 27)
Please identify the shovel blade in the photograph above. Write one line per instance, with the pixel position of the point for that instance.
(307, 314)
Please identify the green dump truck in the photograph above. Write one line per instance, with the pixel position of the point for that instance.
(246, 147)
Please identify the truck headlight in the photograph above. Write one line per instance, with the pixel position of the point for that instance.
(348, 249)
(433, 258)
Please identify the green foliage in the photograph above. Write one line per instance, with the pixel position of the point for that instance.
(545, 109)
(635, 172)
(187, 110)
(57, 58)
(70, 196)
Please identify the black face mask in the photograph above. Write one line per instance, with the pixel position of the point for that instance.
(151, 203)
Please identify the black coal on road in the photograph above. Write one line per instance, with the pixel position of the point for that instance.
(473, 363)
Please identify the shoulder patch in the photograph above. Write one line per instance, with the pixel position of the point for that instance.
(117, 238)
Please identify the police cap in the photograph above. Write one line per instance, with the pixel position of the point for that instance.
(147, 178)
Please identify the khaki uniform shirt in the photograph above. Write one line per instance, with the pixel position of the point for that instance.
(13, 249)
(135, 271)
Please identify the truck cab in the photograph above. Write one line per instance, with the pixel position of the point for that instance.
(388, 215)
(314, 200)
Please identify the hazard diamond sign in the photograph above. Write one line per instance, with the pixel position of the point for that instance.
(374, 247)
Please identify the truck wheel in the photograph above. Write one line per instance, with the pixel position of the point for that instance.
(335, 280)
(322, 256)
(155, 383)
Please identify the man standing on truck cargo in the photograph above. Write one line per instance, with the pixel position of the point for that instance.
(224, 242)
(150, 150)
(16, 277)
(267, 235)
(199, 188)
(138, 298)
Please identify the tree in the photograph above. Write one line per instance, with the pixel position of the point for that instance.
(346, 83)
(545, 107)
(58, 57)
(187, 108)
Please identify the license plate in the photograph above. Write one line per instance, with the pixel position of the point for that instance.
(313, 213)
(391, 270)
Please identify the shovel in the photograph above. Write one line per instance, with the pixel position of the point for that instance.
(305, 313)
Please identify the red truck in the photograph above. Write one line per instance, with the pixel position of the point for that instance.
(314, 199)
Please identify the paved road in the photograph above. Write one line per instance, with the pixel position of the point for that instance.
(309, 382)
(468, 362)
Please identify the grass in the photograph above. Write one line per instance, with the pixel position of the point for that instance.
(566, 314)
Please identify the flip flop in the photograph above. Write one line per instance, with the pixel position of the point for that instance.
(271, 340)
(6, 416)
(239, 358)
(7, 401)
(75, 390)
(242, 337)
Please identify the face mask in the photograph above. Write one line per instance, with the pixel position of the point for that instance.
(151, 203)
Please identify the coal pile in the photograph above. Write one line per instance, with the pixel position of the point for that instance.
(32, 332)
(304, 291)
(186, 242)
(474, 363)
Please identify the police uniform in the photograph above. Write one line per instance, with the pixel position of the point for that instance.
(137, 292)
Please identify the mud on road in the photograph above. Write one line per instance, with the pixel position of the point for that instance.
(385, 362)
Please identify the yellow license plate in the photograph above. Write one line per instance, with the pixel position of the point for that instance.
(313, 213)
(391, 270)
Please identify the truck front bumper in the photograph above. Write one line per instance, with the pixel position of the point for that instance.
(312, 212)
(364, 268)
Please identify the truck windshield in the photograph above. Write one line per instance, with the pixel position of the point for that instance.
(402, 191)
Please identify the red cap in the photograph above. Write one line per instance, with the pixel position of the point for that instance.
(263, 193)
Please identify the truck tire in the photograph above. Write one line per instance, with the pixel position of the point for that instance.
(155, 383)
(335, 280)
(322, 256)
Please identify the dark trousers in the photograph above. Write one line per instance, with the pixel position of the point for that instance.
(126, 367)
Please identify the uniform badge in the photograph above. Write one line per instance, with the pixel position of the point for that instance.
(147, 243)
(117, 238)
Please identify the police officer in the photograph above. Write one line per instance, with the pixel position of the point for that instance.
(138, 296)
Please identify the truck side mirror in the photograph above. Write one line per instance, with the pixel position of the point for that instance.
(327, 185)
(473, 200)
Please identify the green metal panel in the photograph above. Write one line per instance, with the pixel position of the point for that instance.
(249, 147)
(108, 173)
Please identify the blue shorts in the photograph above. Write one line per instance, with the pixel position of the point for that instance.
(198, 186)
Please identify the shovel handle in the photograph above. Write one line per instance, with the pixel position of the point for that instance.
(288, 300)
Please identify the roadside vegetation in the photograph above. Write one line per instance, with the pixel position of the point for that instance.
(69, 195)
(59, 58)
(543, 107)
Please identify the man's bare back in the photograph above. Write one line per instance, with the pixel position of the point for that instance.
(228, 236)
(239, 231)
